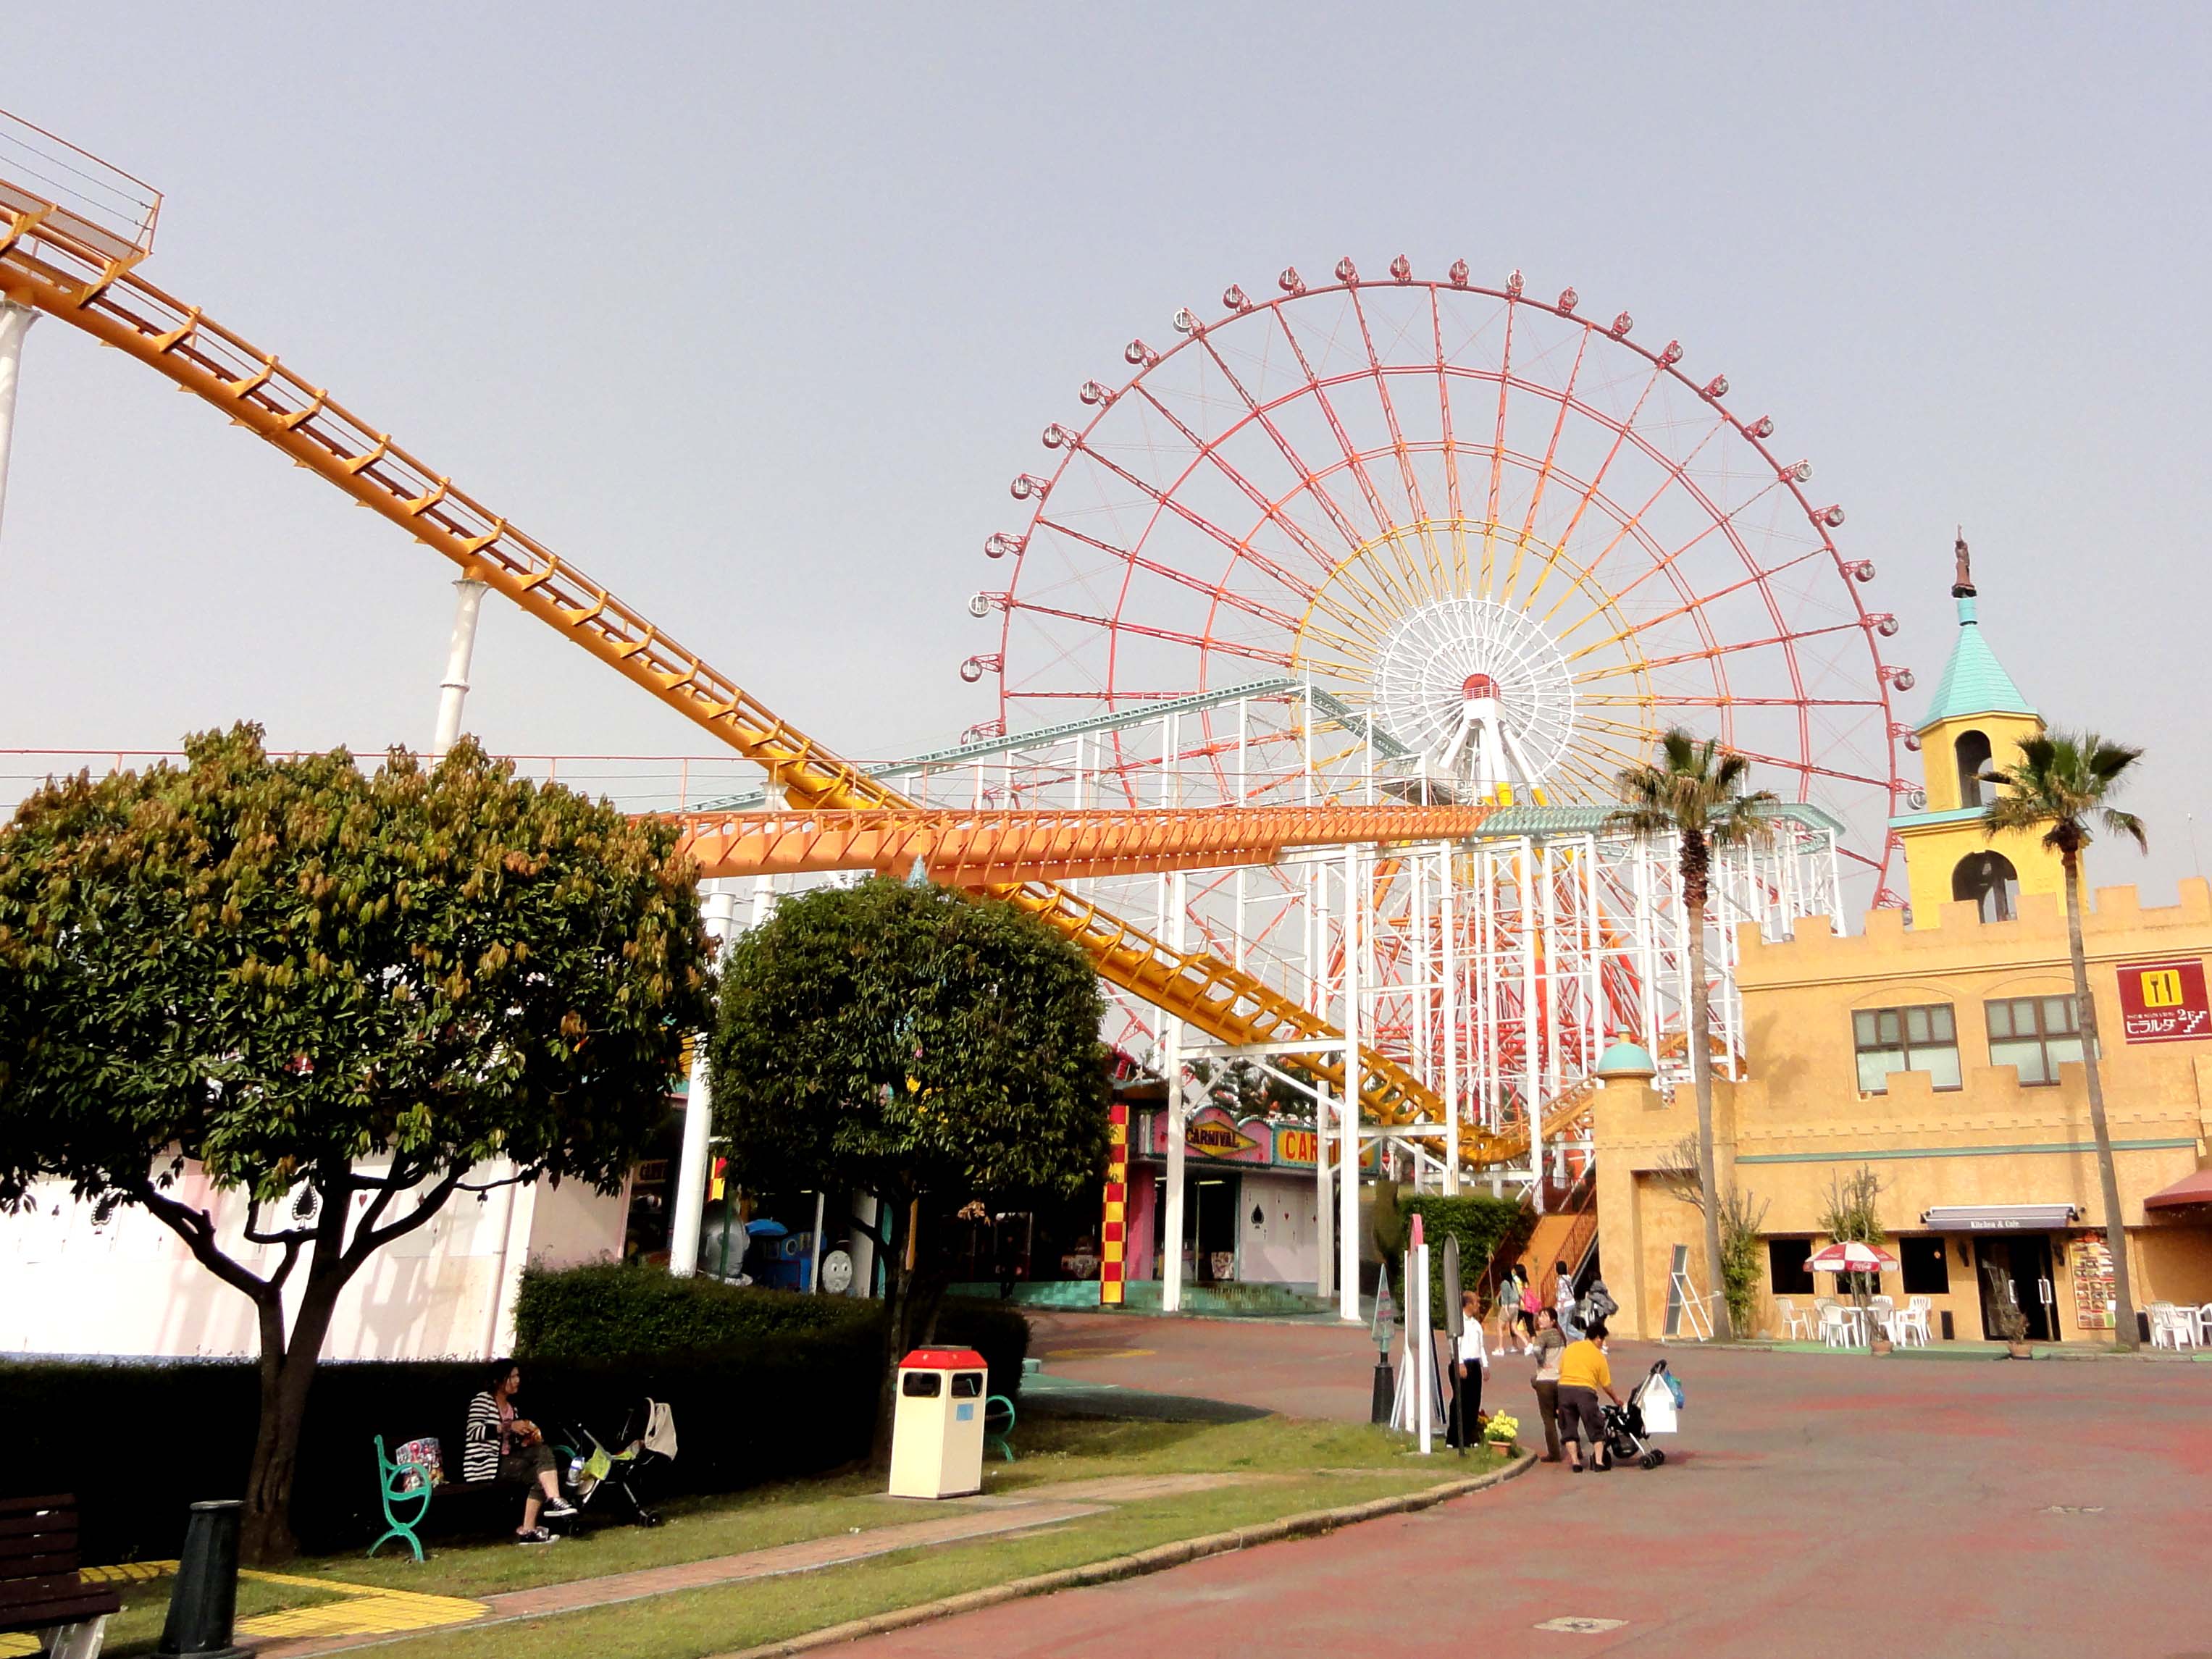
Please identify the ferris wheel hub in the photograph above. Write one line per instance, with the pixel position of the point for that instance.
(1480, 690)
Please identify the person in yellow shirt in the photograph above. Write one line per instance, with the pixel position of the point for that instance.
(1584, 1375)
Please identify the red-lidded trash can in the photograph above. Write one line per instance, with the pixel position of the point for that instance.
(937, 1430)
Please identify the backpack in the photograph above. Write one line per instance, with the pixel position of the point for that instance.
(1673, 1387)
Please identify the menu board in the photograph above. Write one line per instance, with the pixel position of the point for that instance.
(2092, 1267)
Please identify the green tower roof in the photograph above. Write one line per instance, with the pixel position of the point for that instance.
(1974, 681)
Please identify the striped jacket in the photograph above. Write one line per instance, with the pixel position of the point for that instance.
(480, 1449)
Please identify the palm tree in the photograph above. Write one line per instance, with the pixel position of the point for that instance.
(2064, 781)
(1694, 791)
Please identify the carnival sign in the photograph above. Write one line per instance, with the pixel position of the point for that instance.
(2164, 1001)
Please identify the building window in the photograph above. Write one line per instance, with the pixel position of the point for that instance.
(1973, 750)
(1785, 1265)
(1922, 1039)
(1925, 1264)
(2036, 1034)
(1991, 882)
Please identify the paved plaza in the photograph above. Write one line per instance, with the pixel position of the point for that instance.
(1813, 1505)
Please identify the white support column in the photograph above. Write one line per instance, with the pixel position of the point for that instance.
(1347, 1237)
(1316, 877)
(453, 691)
(1532, 1091)
(15, 323)
(1448, 957)
(698, 1121)
(1171, 1066)
(1324, 1215)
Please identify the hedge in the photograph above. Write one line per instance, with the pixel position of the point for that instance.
(137, 1441)
(1480, 1224)
(610, 1311)
(600, 1315)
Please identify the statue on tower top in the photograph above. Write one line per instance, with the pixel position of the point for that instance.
(1962, 579)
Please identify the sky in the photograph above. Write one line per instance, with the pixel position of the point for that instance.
(754, 312)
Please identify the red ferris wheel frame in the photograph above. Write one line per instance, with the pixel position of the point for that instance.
(1350, 467)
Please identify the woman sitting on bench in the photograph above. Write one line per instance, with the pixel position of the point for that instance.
(502, 1446)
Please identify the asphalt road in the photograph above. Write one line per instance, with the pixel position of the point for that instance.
(1813, 1505)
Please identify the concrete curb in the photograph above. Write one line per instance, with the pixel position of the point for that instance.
(1158, 1558)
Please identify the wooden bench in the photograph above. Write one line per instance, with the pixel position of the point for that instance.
(40, 1589)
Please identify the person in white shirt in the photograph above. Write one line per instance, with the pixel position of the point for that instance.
(1469, 1366)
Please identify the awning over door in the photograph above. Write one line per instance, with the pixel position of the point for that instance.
(2190, 1189)
(1999, 1217)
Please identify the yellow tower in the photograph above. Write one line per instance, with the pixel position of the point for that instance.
(1975, 726)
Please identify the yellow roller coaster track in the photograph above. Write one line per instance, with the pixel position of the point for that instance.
(52, 263)
(994, 846)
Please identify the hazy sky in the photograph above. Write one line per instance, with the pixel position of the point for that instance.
(754, 312)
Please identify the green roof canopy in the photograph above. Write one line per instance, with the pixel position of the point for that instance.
(1974, 681)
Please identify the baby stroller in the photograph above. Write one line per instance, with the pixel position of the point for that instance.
(607, 1478)
(1625, 1430)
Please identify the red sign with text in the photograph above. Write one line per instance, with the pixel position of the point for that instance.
(2164, 1001)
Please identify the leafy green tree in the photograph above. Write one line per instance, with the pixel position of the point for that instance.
(931, 1050)
(1743, 1214)
(1694, 791)
(2065, 783)
(345, 997)
(1852, 1215)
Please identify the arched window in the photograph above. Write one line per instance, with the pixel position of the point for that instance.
(1973, 749)
(1989, 880)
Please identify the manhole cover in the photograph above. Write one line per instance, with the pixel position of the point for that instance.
(1574, 1626)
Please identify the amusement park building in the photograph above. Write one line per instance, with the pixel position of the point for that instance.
(1942, 1056)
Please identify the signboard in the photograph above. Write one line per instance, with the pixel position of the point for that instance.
(1217, 1137)
(1212, 1132)
(2091, 1264)
(2164, 1001)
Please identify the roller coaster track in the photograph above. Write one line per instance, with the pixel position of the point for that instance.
(993, 847)
(57, 264)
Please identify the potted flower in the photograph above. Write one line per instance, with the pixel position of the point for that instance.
(1501, 1432)
(2004, 1313)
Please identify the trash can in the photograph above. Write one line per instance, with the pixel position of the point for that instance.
(937, 1430)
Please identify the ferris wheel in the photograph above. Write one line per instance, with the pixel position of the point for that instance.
(1521, 541)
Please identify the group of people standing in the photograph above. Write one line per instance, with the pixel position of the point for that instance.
(1566, 1338)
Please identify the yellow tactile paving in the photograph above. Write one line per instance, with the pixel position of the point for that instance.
(365, 1610)
(361, 1610)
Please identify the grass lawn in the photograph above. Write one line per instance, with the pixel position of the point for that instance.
(1286, 1466)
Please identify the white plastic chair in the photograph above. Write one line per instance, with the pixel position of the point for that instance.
(1909, 1324)
(2204, 1326)
(1879, 1310)
(2171, 1328)
(1794, 1323)
(1835, 1327)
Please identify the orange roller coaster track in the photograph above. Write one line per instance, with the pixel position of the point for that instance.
(992, 848)
(52, 263)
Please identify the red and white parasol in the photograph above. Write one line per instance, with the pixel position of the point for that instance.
(1850, 1257)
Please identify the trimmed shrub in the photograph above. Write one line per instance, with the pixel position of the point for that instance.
(610, 1311)
(138, 1441)
(1480, 1224)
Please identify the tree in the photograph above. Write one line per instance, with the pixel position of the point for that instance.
(2064, 782)
(342, 996)
(1853, 1215)
(902, 1042)
(1743, 1214)
(1694, 791)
